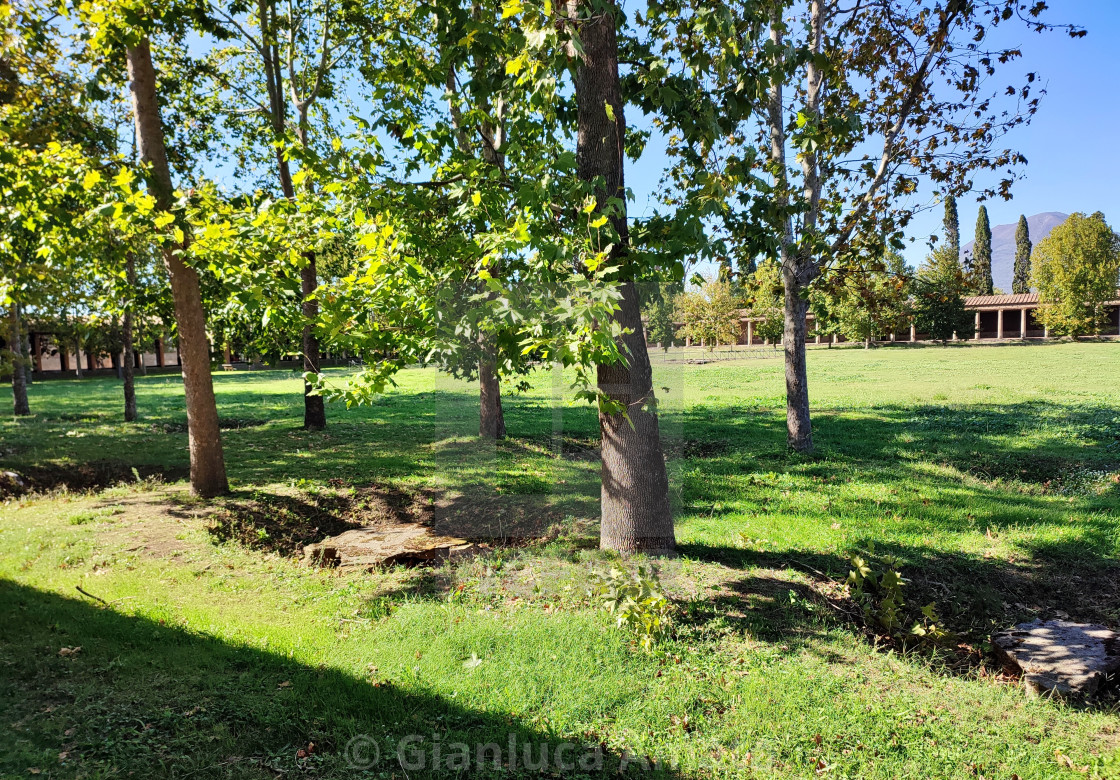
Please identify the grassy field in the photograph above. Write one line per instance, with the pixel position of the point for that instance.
(207, 649)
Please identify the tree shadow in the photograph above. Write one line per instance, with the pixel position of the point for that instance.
(142, 693)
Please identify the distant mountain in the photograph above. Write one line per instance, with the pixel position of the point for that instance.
(1003, 244)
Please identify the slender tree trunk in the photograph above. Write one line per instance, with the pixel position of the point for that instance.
(491, 421)
(636, 515)
(27, 350)
(78, 355)
(20, 405)
(799, 427)
(128, 374)
(314, 410)
(208, 469)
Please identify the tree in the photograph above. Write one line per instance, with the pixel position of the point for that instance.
(710, 314)
(208, 471)
(868, 300)
(980, 266)
(939, 290)
(635, 511)
(1021, 283)
(952, 226)
(1076, 269)
(292, 55)
(908, 80)
(764, 300)
(658, 304)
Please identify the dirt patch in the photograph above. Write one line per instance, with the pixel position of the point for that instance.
(79, 477)
(285, 522)
(226, 424)
(152, 523)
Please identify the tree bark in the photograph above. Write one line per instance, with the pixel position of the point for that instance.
(27, 349)
(635, 511)
(208, 469)
(78, 355)
(491, 421)
(20, 405)
(798, 425)
(314, 410)
(128, 374)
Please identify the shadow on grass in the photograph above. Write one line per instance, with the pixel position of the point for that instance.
(975, 596)
(144, 698)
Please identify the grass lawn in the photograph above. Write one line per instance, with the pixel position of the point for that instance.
(991, 473)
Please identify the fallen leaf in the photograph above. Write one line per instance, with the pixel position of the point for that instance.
(285, 684)
(68, 652)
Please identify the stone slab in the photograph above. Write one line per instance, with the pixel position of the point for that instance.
(1059, 656)
(409, 544)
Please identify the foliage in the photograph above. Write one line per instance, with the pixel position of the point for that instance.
(1076, 270)
(1021, 282)
(660, 314)
(867, 300)
(952, 225)
(939, 291)
(636, 600)
(980, 263)
(764, 294)
(879, 595)
(709, 315)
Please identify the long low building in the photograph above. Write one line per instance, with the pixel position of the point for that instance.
(998, 317)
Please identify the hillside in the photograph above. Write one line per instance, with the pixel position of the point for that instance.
(1003, 244)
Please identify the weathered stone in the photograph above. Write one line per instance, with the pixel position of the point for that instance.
(403, 543)
(1060, 656)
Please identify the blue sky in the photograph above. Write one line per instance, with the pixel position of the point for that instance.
(1072, 145)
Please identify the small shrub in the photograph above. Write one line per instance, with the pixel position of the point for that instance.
(636, 600)
(879, 596)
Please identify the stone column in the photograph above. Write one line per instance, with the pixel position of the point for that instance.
(750, 332)
(913, 332)
(977, 336)
(892, 337)
(1045, 331)
(1023, 323)
(159, 352)
(999, 324)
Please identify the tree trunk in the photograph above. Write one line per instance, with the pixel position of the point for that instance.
(78, 355)
(635, 511)
(20, 405)
(491, 421)
(314, 411)
(26, 349)
(128, 374)
(799, 427)
(208, 469)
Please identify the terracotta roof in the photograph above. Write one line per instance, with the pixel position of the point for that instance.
(1001, 300)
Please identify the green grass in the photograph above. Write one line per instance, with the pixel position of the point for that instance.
(990, 472)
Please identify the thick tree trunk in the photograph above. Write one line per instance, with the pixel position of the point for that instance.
(799, 427)
(636, 515)
(491, 421)
(208, 469)
(128, 374)
(20, 405)
(314, 411)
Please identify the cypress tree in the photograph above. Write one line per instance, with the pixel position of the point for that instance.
(952, 228)
(982, 256)
(1022, 281)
